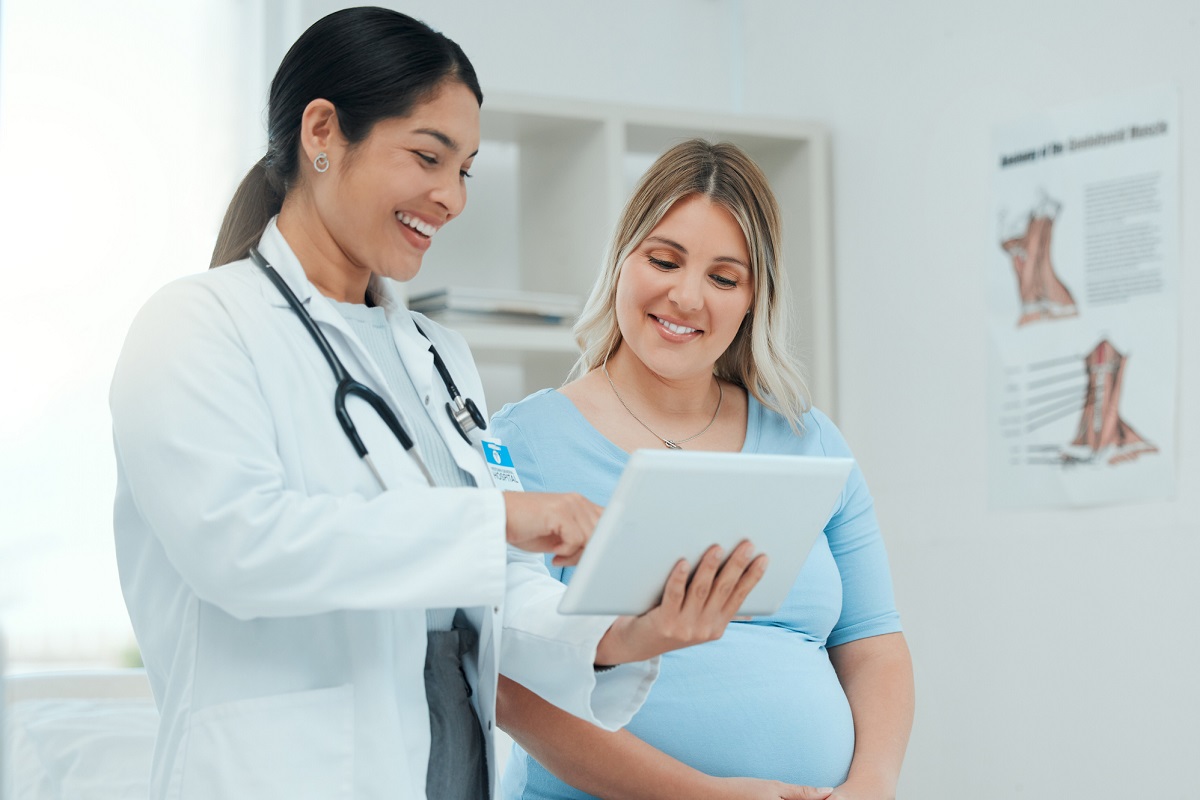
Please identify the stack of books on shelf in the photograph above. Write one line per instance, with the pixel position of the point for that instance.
(455, 306)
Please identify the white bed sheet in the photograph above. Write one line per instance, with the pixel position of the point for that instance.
(68, 748)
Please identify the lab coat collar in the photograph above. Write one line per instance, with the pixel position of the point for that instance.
(280, 256)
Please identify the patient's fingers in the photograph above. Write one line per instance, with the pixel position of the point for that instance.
(746, 583)
(690, 612)
(731, 572)
(700, 586)
(676, 589)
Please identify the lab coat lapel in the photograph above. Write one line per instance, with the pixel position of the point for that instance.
(412, 346)
(418, 360)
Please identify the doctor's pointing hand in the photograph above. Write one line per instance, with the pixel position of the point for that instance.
(314, 556)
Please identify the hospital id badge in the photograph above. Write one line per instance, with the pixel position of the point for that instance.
(504, 474)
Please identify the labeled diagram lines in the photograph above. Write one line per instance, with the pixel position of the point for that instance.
(1042, 295)
(1052, 392)
(1038, 395)
(1102, 433)
(1042, 394)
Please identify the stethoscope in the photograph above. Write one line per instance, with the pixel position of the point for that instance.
(463, 412)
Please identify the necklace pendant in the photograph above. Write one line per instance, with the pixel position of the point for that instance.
(668, 443)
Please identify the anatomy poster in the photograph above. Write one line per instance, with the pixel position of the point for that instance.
(1082, 272)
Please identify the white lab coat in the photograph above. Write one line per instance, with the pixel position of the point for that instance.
(277, 593)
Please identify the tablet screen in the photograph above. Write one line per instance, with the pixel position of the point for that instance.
(672, 504)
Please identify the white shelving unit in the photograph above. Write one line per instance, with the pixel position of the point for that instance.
(550, 179)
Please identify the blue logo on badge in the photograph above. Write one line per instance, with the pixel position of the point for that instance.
(497, 454)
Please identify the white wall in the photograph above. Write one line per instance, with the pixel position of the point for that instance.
(122, 133)
(674, 53)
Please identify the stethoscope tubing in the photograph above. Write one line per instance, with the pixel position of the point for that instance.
(461, 412)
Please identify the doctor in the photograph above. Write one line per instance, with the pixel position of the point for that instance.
(323, 603)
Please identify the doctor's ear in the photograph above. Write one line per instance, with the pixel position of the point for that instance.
(320, 132)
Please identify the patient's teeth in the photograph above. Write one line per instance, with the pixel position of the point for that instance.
(673, 328)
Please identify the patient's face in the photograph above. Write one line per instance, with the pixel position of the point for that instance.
(683, 292)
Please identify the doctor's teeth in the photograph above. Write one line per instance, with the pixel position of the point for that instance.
(416, 224)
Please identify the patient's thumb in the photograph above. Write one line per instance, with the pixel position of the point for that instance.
(806, 793)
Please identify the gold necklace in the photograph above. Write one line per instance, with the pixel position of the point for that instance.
(670, 443)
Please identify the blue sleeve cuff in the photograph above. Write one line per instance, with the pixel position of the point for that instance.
(865, 630)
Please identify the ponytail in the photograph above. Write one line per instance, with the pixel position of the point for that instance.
(254, 203)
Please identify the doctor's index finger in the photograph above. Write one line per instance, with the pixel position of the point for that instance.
(569, 547)
(566, 560)
(577, 510)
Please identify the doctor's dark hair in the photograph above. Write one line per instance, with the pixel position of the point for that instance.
(372, 64)
(760, 358)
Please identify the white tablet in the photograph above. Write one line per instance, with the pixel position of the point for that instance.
(674, 504)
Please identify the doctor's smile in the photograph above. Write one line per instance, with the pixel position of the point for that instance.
(419, 237)
(424, 228)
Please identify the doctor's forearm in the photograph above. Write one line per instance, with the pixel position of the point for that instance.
(876, 674)
(612, 765)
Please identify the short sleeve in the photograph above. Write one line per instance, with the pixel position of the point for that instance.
(868, 600)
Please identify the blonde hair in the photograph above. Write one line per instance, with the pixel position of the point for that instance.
(759, 358)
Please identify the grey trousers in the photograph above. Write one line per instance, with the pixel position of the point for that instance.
(457, 754)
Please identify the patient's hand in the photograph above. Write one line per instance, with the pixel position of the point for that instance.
(691, 612)
(853, 791)
(755, 789)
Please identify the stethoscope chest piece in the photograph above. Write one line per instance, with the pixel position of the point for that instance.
(463, 412)
(465, 415)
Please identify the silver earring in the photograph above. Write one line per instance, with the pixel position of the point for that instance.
(321, 162)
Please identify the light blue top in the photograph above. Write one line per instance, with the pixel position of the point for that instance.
(762, 701)
(370, 324)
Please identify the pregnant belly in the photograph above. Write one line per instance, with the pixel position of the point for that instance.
(760, 702)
